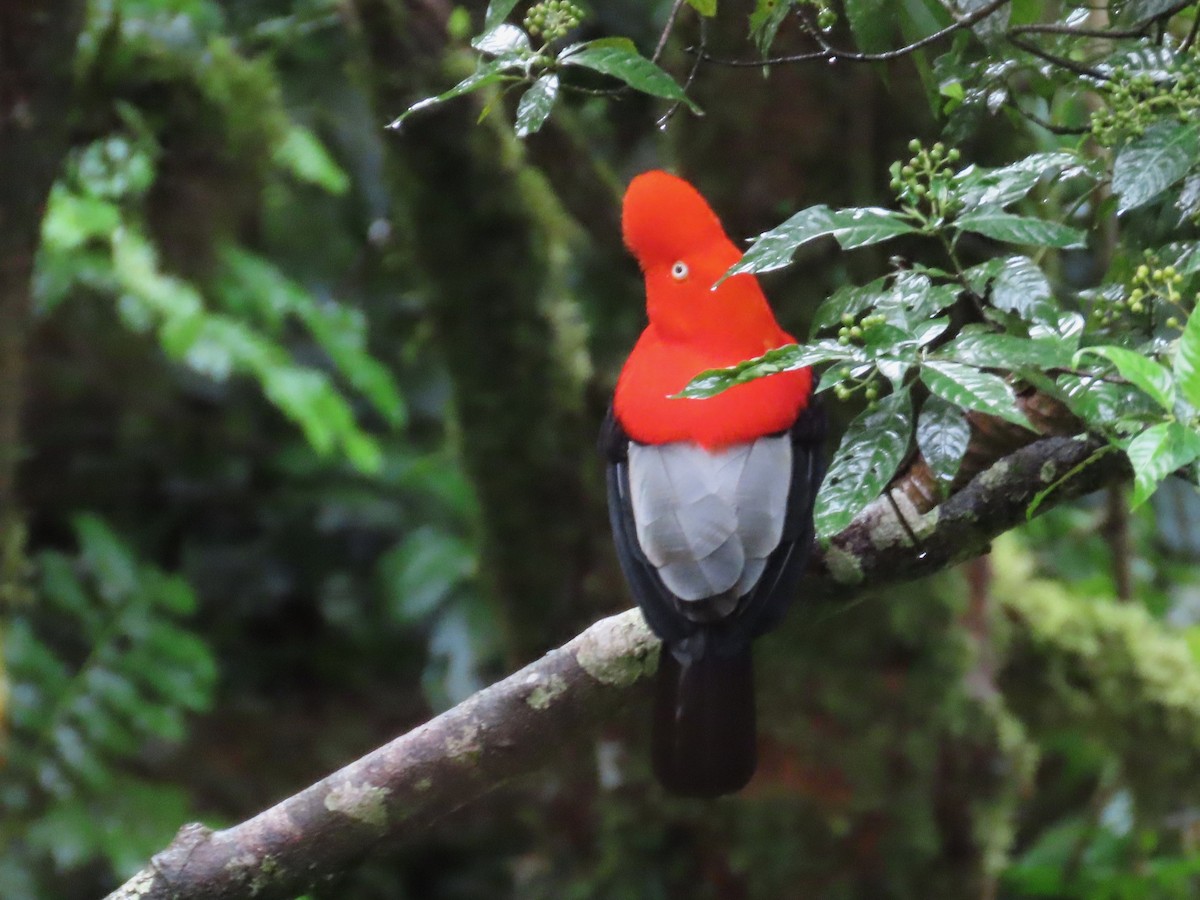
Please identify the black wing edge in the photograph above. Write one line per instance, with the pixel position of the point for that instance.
(762, 608)
(655, 599)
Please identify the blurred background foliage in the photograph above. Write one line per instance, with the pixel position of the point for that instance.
(309, 427)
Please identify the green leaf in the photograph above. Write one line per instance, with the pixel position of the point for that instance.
(872, 449)
(497, 12)
(1014, 229)
(1158, 452)
(72, 220)
(989, 350)
(489, 72)
(1188, 203)
(979, 187)
(1186, 366)
(1146, 374)
(942, 437)
(1102, 404)
(1152, 163)
(307, 159)
(1183, 255)
(971, 388)
(768, 15)
(111, 562)
(850, 227)
(706, 8)
(872, 23)
(341, 331)
(1020, 286)
(914, 298)
(503, 40)
(421, 571)
(536, 104)
(782, 359)
(619, 58)
(849, 299)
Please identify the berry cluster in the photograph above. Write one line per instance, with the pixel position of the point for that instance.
(854, 331)
(1152, 286)
(552, 19)
(826, 15)
(1133, 102)
(924, 184)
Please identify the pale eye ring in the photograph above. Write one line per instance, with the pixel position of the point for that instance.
(679, 270)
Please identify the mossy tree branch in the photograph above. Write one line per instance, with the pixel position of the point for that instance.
(526, 721)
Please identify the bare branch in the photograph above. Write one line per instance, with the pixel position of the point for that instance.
(832, 53)
(667, 29)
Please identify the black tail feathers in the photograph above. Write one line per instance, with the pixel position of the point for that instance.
(704, 725)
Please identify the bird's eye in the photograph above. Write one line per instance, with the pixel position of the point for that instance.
(679, 271)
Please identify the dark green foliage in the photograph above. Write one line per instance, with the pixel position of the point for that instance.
(336, 389)
(100, 668)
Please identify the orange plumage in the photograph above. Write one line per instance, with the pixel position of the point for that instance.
(683, 251)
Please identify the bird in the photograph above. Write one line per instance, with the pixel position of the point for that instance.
(710, 500)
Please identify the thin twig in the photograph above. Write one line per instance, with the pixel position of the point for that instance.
(1049, 126)
(687, 85)
(832, 53)
(667, 29)
(1071, 31)
(1191, 38)
(1061, 61)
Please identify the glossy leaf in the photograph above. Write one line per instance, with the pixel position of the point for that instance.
(1146, 374)
(1156, 453)
(497, 12)
(973, 389)
(1186, 367)
(942, 437)
(504, 39)
(535, 105)
(782, 359)
(990, 350)
(850, 227)
(1183, 255)
(981, 187)
(619, 58)
(1014, 229)
(849, 299)
(1188, 203)
(489, 72)
(872, 449)
(1020, 286)
(914, 298)
(707, 8)
(1103, 404)
(1152, 163)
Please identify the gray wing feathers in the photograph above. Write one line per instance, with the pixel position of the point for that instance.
(707, 521)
